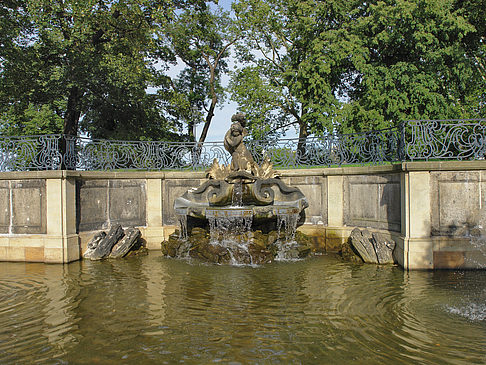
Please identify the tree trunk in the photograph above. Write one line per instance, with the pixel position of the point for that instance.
(301, 146)
(71, 121)
(214, 100)
(207, 123)
(71, 118)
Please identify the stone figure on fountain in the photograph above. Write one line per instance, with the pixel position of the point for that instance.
(241, 158)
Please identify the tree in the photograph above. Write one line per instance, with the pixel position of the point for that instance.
(348, 66)
(415, 64)
(292, 66)
(89, 60)
(202, 38)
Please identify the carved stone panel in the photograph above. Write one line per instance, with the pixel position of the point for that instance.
(314, 189)
(92, 208)
(102, 203)
(28, 199)
(372, 201)
(171, 190)
(457, 202)
(127, 202)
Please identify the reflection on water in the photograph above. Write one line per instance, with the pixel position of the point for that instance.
(156, 310)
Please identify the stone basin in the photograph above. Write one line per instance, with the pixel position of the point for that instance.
(257, 212)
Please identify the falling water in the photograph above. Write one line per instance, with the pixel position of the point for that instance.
(288, 247)
(183, 226)
(287, 221)
(232, 233)
(181, 215)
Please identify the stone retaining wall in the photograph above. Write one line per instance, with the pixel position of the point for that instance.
(433, 210)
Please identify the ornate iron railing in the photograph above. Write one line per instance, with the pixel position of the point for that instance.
(31, 153)
(411, 140)
(445, 139)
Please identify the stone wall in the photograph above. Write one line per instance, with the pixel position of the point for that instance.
(372, 201)
(434, 211)
(103, 202)
(23, 206)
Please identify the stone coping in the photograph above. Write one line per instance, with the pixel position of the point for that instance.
(318, 171)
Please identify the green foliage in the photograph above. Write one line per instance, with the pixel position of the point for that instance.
(100, 66)
(292, 68)
(351, 66)
(90, 61)
(414, 65)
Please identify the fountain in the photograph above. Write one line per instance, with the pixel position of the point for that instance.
(243, 213)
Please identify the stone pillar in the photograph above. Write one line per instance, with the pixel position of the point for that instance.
(335, 232)
(154, 232)
(61, 244)
(417, 246)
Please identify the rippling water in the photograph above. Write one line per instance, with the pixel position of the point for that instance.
(156, 310)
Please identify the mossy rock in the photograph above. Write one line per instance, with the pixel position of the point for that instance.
(348, 254)
(303, 239)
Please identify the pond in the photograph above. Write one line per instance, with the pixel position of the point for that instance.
(154, 310)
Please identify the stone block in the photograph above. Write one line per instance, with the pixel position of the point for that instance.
(53, 255)
(389, 210)
(456, 202)
(154, 202)
(34, 254)
(419, 201)
(171, 190)
(127, 202)
(314, 189)
(420, 260)
(73, 249)
(3, 253)
(16, 253)
(449, 259)
(92, 204)
(4, 206)
(28, 206)
(373, 201)
(454, 194)
(335, 201)
(153, 237)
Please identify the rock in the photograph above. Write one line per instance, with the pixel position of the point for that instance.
(304, 251)
(361, 241)
(241, 256)
(260, 239)
(93, 244)
(259, 255)
(384, 248)
(349, 254)
(303, 239)
(138, 249)
(199, 231)
(209, 252)
(106, 244)
(272, 237)
(123, 246)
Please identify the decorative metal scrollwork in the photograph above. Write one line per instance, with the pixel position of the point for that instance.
(446, 139)
(412, 140)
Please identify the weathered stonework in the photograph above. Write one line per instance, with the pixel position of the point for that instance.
(372, 201)
(104, 202)
(434, 211)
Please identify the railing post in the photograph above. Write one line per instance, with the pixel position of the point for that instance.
(68, 152)
(402, 143)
